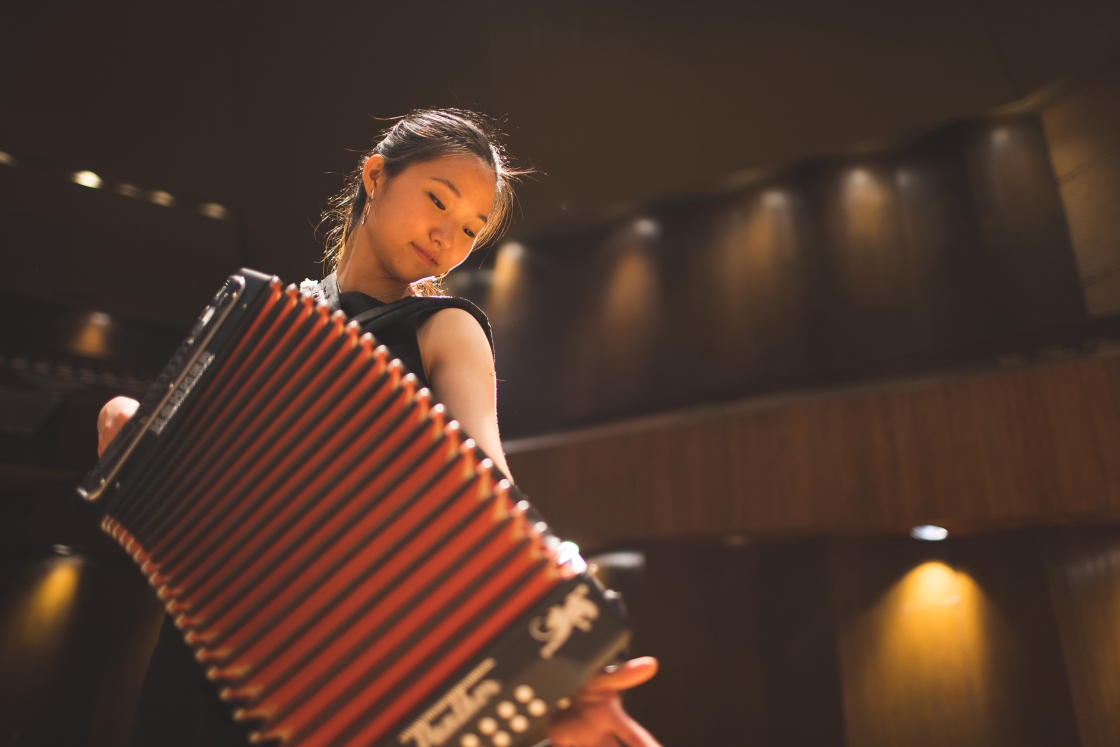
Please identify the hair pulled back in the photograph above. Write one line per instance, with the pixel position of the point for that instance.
(424, 135)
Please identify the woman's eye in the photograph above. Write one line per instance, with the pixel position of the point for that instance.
(468, 232)
(436, 201)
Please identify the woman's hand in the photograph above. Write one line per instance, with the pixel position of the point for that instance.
(596, 717)
(114, 415)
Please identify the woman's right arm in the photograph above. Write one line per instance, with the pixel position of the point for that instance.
(114, 415)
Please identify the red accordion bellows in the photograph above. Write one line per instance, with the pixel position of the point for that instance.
(331, 549)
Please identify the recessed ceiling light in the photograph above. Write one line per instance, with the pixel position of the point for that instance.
(86, 179)
(7, 159)
(213, 210)
(62, 550)
(160, 197)
(647, 228)
(929, 533)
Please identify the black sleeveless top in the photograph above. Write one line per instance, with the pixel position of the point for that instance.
(178, 707)
(394, 324)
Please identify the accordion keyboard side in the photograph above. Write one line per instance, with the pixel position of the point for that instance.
(338, 556)
(234, 302)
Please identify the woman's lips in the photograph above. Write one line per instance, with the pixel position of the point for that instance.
(424, 256)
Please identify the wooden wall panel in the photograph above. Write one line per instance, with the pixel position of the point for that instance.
(954, 645)
(824, 270)
(1003, 448)
(1083, 133)
(1084, 569)
(745, 637)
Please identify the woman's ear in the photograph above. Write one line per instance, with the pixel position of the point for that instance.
(373, 173)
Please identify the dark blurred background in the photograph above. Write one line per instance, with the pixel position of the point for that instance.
(792, 279)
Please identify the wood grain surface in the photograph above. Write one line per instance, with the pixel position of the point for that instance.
(1001, 448)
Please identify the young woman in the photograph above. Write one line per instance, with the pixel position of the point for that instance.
(436, 185)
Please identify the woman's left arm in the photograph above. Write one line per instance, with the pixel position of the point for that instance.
(460, 366)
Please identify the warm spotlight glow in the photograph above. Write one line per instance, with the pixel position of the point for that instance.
(931, 584)
(86, 179)
(213, 210)
(859, 178)
(875, 263)
(128, 190)
(7, 159)
(774, 199)
(92, 339)
(160, 197)
(928, 639)
(511, 252)
(929, 532)
(55, 593)
(631, 306)
(754, 270)
(505, 283)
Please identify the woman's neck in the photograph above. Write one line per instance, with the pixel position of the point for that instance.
(359, 270)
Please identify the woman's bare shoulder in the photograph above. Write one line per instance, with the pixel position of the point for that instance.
(453, 335)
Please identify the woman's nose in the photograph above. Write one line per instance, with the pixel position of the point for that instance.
(443, 234)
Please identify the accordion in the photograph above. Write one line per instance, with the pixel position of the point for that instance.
(348, 567)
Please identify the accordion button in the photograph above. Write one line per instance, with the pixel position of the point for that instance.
(487, 725)
(501, 739)
(469, 740)
(507, 710)
(523, 693)
(538, 708)
(519, 723)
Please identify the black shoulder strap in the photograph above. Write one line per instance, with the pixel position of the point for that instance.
(389, 314)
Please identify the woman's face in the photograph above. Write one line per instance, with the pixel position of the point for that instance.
(423, 221)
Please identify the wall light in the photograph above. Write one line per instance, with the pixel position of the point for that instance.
(86, 179)
(160, 197)
(647, 228)
(505, 283)
(92, 338)
(628, 559)
(929, 533)
(213, 210)
(7, 159)
(774, 198)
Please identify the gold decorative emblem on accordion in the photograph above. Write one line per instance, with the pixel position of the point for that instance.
(349, 567)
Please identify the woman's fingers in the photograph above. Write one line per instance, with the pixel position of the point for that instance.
(112, 418)
(597, 718)
(632, 734)
(600, 724)
(625, 676)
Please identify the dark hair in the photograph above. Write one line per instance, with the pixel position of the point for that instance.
(423, 135)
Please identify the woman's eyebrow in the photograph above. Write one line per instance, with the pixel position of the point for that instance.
(453, 188)
(449, 185)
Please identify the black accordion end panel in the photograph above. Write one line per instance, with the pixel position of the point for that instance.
(345, 563)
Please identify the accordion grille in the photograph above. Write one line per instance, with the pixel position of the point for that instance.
(330, 548)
